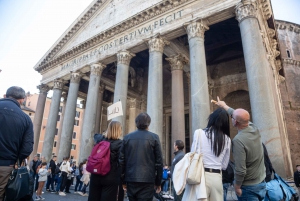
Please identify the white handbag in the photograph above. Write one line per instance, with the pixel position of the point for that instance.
(196, 165)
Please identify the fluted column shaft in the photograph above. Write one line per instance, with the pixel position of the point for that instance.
(69, 119)
(155, 84)
(261, 96)
(38, 116)
(52, 120)
(178, 122)
(121, 86)
(199, 84)
(99, 109)
(89, 119)
(64, 95)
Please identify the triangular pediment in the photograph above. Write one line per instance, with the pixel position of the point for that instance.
(98, 17)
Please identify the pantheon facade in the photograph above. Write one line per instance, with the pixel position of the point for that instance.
(168, 58)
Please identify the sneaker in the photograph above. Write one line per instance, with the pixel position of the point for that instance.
(41, 198)
(61, 194)
(85, 194)
(48, 190)
(171, 197)
(80, 193)
(37, 198)
(42, 192)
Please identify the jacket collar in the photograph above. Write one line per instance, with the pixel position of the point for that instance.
(12, 100)
(177, 152)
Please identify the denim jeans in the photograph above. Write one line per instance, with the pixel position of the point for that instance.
(58, 183)
(78, 183)
(83, 190)
(50, 182)
(255, 192)
(225, 189)
(166, 185)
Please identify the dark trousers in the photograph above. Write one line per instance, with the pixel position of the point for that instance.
(78, 183)
(68, 185)
(64, 179)
(100, 192)
(36, 182)
(50, 182)
(137, 191)
(120, 193)
(83, 190)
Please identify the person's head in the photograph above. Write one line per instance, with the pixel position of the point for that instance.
(240, 118)
(66, 158)
(35, 158)
(142, 121)
(178, 145)
(166, 166)
(114, 130)
(54, 158)
(16, 93)
(44, 164)
(298, 167)
(217, 127)
(84, 161)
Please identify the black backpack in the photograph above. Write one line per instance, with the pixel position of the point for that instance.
(228, 174)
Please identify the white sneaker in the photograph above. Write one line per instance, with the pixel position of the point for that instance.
(80, 193)
(75, 192)
(41, 198)
(85, 194)
(61, 194)
(171, 197)
(37, 198)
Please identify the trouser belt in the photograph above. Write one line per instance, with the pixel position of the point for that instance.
(212, 170)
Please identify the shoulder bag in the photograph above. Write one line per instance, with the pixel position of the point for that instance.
(196, 165)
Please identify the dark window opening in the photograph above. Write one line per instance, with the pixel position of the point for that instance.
(288, 53)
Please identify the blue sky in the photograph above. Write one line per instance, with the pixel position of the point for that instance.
(28, 28)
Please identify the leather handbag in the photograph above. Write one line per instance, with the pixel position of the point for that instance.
(196, 166)
(18, 184)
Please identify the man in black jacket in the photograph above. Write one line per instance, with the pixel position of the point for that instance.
(141, 161)
(50, 179)
(297, 177)
(16, 133)
(179, 154)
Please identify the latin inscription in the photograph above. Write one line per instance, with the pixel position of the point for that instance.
(125, 39)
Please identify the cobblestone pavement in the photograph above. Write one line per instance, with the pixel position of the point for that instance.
(76, 197)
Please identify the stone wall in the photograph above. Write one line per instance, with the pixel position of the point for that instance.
(289, 40)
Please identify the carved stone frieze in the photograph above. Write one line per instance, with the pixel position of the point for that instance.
(97, 68)
(196, 29)
(75, 77)
(246, 9)
(292, 62)
(266, 8)
(157, 43)
(43, 88)
(124, 57)
(282, 25)
(51, 59)
(177, 62)
(58, 84)
(278, 65)
(271, 33)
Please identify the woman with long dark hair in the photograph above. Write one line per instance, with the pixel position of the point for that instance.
(215, 146)
(103, 188)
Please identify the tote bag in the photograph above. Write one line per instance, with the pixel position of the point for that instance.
(196, 166)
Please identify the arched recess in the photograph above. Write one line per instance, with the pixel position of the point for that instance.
(237, 99)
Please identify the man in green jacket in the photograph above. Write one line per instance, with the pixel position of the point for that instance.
(248, 156)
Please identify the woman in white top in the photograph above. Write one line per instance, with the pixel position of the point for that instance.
(64, 168)
(215, 147)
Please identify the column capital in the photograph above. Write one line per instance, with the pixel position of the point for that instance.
(177, 62)
(196, 29)
(97, 68)
(75, 77)
(157, 43)
(58, 84)
(246, 9)
(132, 102)
(43, 88)
(124, 57)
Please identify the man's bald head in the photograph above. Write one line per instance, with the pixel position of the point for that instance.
(241, 116)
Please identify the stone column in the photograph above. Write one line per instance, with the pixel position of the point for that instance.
(38, 116)
(261, 96)
(132, 114)
(155, 84)
(178, 122)
(89, 119)
(199, 84)
(99, 108)
(52, 120)
(121, 85)
(64, 96)
(69, 119)
(188, 75)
